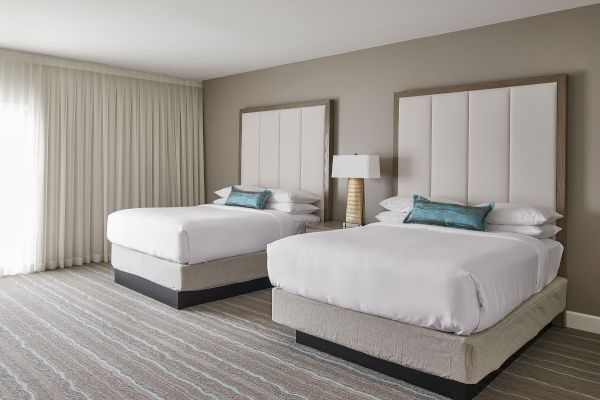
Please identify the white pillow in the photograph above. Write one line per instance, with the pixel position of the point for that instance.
(405, 203)
(277, 195)
(291, 196)
(220, 201)
(537, 231)
(292, 208)
(515, 214)
(226, 190)
(392, 217)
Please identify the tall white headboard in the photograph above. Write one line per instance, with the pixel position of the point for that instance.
(289, 147)
(499, 141)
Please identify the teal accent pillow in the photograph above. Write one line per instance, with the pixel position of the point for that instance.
(242, 198)
(449, 215)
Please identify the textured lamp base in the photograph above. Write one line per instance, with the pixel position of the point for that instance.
(356, 201)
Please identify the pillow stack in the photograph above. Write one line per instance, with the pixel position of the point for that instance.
(291, 202)
(247, 198)
(400, 206)
(538, 222)
(427, 212)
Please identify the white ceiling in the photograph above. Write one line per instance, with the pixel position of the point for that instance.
(203, 39)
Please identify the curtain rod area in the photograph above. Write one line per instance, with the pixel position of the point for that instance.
(94, 67)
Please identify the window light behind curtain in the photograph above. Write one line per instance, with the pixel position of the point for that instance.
(20, 171)
(79, 143)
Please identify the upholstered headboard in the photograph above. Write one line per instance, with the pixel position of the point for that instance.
(499, 141)
(289, 147)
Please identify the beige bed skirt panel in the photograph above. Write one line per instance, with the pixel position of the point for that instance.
(465, 359)
(189, 277)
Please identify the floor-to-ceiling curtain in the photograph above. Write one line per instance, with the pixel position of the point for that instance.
(21, 168)
(105, 142)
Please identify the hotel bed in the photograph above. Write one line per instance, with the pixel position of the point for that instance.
(184, 256)
(446, 279)
(192, 235)
(442, 308)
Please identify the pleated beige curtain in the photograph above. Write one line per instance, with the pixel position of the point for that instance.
(113, 142)
(21, 168)
(103, 142)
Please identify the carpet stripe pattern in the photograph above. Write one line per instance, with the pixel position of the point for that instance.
(75, 334)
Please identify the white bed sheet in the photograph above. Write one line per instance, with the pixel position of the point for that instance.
(191, 235)
(302, 219)
(555, 252)
(441, 278)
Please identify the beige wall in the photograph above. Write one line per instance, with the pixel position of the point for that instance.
(363, 84)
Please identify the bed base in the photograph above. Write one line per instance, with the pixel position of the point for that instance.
(445, 387)
(451, 365)
(185, 285)
(183, 299)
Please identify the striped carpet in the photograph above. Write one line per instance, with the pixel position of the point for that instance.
(75, 334)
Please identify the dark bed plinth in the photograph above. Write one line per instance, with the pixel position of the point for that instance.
(445, 387)
(185, 299)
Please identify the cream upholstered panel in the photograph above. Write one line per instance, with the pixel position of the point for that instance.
(250, 151)
(449, 145)
(286, 148)
(268, 161)
(414, 145)
(291, 123)
(533, 144)
(312, 151)
(482, 145)
(489, 141)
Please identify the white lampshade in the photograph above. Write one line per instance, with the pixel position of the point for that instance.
(355, 166)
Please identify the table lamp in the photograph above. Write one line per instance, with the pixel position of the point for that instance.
(356, 168)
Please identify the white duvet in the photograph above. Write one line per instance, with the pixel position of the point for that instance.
(445, 279)
(191, 235)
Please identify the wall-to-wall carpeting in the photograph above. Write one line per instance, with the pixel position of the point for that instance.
(75, 334)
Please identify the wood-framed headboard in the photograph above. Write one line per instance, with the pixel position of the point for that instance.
(502, 141)
(289, 146)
